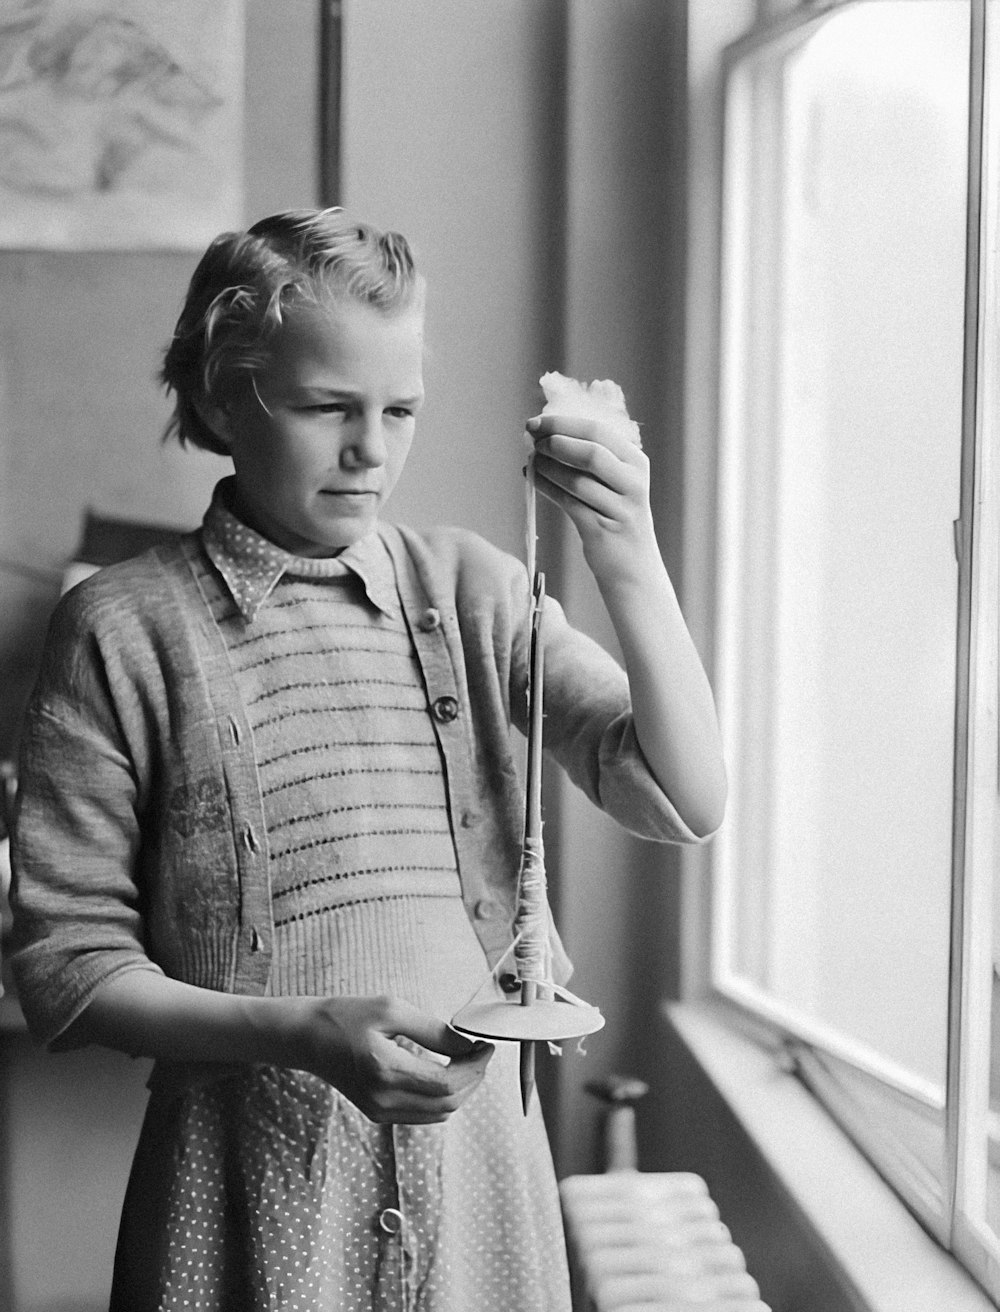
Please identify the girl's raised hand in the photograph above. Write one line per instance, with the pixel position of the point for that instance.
(594, 469)
(370, 1049)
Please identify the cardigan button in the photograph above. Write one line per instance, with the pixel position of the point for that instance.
(445, 709)
(487, 909)
(430, 620)
(509, 982)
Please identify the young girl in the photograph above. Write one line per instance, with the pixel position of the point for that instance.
(269, 822)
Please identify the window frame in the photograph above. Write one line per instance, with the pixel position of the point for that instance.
(944, 1211)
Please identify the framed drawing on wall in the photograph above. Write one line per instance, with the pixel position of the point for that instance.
(120, 123)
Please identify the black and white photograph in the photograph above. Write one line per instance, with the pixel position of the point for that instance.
(499, 655)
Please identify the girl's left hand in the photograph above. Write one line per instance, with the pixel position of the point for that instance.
(594, 470)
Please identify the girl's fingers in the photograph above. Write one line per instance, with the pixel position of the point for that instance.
(403, 1021)
(417, 1090)
(409, 1106)
(616, 528)
(398, 1067)
(434, 1034)
(578, 494)
(574, 463)
(593, 458)
(595, 478)
(617, 436)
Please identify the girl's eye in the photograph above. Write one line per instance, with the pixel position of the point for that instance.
(345, 410)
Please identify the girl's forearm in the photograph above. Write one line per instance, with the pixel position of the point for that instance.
(351, 1042)
(675, 719)
(147, 1014)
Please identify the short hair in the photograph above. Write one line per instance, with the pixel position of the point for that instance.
(246, 282)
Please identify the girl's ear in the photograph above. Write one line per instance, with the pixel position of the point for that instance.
(215, 418)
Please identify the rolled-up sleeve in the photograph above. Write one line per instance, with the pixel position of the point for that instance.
(76, 838)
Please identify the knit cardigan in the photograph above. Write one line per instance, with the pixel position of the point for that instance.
(139, 840)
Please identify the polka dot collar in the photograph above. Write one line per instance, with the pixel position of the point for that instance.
(251, 565)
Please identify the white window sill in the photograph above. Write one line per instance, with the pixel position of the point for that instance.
(892, 1263)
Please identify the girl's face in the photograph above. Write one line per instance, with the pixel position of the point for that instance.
(321, 437)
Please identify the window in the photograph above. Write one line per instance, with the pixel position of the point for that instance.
(857, 905)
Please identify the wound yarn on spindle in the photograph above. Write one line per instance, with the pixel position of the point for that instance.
(532, 951)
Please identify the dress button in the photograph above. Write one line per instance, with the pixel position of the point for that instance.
(430, 620)
(445, 709)
(485, 909)
(391, 1220)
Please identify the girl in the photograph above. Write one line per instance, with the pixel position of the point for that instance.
(269, 824)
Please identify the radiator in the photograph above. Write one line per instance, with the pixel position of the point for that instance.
(641, 1241)
(647, 1242)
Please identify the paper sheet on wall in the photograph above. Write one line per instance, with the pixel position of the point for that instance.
(120, 123)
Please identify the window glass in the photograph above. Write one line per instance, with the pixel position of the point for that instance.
(844, 272)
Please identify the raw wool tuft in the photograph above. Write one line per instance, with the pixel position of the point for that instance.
(601, 399)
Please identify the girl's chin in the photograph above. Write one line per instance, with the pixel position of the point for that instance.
(332, 537)
(326, 527)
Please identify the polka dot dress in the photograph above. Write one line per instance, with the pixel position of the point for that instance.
(286, 1197)
(269, 1190)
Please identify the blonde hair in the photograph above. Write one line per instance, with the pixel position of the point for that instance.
(247, 281)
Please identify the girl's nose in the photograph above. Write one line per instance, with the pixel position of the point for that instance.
(366, 448)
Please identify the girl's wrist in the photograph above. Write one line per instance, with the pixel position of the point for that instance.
(629, 574)
(280, 1030)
